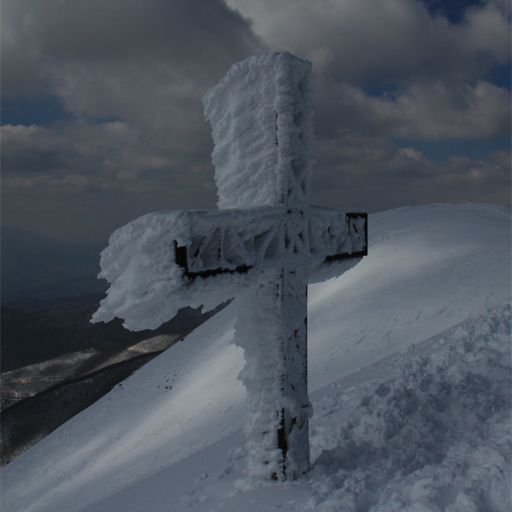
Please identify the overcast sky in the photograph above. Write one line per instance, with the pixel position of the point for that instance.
(102, 119)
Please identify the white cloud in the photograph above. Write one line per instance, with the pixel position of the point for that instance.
(487, 29)
(433, 110)
(411, 154)
(363, 40)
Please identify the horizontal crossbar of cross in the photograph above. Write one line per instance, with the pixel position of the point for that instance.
(222, 248)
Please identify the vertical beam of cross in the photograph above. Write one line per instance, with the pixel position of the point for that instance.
(271, 327)
(272, 90)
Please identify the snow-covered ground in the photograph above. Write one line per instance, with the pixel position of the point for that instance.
(409, 364)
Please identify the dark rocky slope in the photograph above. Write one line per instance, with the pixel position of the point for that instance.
(55, 363)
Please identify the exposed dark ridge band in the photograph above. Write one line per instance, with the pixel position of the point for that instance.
(243, 269)
(181, 256)
(346, 256)
(364, 215)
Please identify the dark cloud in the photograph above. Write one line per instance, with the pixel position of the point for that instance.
(128, 76)
(374, 174)
(25, 150)
(398, 69)
(433, 110)
(390, 41)
(199, 37)
(144, 64)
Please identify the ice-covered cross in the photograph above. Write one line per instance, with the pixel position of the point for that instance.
(262, 246)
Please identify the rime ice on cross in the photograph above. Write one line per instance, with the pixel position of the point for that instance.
(262, 246)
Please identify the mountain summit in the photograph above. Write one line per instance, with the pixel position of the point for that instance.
(409, 364)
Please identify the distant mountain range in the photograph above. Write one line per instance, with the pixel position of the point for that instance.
(55, 362)
(30, 337)
(39, 267)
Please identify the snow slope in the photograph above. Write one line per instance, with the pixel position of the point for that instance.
(409, 364)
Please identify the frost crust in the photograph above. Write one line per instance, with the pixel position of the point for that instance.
(261, 246)
(147, 286)
(262, 118)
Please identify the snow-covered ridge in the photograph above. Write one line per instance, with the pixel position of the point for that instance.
(436, 435)
(429, 269)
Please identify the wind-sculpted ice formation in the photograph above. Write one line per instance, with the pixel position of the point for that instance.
(226, 252)
(262, 251)
(262, 119)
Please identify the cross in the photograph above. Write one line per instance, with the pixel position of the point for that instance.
(263, 245)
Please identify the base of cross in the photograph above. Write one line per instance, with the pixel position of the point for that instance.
(293, 443)
(272, 329)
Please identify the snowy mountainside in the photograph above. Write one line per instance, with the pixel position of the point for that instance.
(409, 363)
